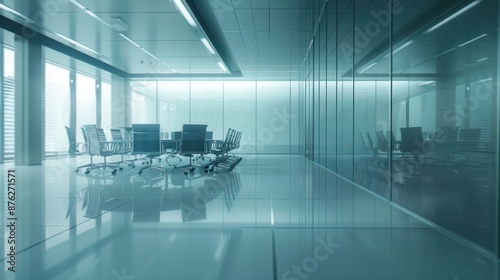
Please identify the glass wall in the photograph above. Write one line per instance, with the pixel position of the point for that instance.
(408, 108)
(265, 112)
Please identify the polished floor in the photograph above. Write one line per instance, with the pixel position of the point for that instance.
(273, 217)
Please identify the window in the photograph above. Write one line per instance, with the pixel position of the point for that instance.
(106, 108)
(85, 103)
(57, 108)
(8, 103)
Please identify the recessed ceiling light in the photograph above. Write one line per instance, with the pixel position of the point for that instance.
(222, 66)
(185, 13)
(208, 46)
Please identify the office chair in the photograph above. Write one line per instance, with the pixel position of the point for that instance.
(75, 148)
(208, 140)
(146, 141)
(192, 143)
(123, 147)
(98, 146)
(89, 166)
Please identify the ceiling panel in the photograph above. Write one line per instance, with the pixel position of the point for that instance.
(284, 19)
(245, 19)
(234, 39)
(261, 19)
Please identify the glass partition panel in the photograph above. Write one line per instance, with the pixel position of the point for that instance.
(273, 118)
(173, 105)
(445, 115)
(207, 105)
(240, 112)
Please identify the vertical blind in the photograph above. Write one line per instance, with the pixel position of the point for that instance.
(57, 108)
(8, 103)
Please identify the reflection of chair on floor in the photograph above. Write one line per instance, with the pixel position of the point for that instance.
(193, 143)
(146, 141)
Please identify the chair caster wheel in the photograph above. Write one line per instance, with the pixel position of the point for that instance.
(140, 172)
(185, 173)
(121, 168)
(206, 170)
(87, 172)
(76, 171)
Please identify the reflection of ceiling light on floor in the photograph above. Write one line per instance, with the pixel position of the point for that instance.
(482, 59)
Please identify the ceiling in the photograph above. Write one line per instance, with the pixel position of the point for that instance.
(264, 37)
(258, 39)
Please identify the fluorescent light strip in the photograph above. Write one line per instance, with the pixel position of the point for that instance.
(402, 47)
(482, 59)
(130, 40)
(76, 43)
(470, 41)
(208, 46)
(456, 14)
(368, 67)
(150, 54)
(222, 66)
(185, 13)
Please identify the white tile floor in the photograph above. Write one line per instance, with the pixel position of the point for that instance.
(273, 217)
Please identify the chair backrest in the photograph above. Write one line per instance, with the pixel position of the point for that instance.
(209, 135)
(363, 141)
(101, 136)
(193, 139)
(71, 139)
(370, 141)
(146, 139)
(92, 138)
(238, 139)
(412, 140)
(382, 141)
(116, 134)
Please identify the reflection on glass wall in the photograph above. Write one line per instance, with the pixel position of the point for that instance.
(411, 106)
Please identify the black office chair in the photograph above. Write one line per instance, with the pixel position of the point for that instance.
(193, 143)
(412, 141)
(146, 140)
